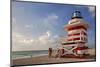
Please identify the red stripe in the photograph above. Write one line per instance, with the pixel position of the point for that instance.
(77, 27)
(74, 39)
(73, 34)
(83, 33)
(81, 48)
(70, 34)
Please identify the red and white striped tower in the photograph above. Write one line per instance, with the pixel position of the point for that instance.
(77, 39)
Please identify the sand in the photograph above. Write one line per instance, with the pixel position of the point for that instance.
(46, 60)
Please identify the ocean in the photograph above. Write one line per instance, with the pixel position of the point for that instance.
(28, 54)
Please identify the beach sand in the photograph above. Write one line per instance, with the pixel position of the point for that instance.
(46, 60)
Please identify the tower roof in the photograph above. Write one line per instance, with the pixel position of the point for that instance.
(76, 20)
(76, 14)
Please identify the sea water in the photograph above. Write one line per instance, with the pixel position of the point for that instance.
(28, 54)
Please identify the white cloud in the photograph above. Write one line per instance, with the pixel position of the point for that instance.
(50, 21)
(51, 18)
(92, 10)
(29, 26)
(48, 33)
(22, 42)
(43, 42)
(44, 39)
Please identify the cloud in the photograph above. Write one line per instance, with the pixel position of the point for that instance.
(44, 39)
(21, 41)
(92, 10)
(48, 33)
(19, 38)
(51, 18)
(50, 21)
(43, 42)
(29, 26)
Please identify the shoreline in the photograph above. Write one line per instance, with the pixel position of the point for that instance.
(29, 56)
(46, 60)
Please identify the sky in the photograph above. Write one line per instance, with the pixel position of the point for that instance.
(38, 26)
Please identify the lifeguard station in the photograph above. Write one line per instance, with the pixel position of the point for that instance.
(77, 38)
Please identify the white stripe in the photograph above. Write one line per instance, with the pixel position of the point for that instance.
(76, 41)
(76, 31)
(76, 36)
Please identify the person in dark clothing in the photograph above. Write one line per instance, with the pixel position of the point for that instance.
(50, 52)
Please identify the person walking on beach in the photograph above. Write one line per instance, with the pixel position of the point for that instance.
(50, 52)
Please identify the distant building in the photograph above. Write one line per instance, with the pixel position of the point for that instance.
(77, 38)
